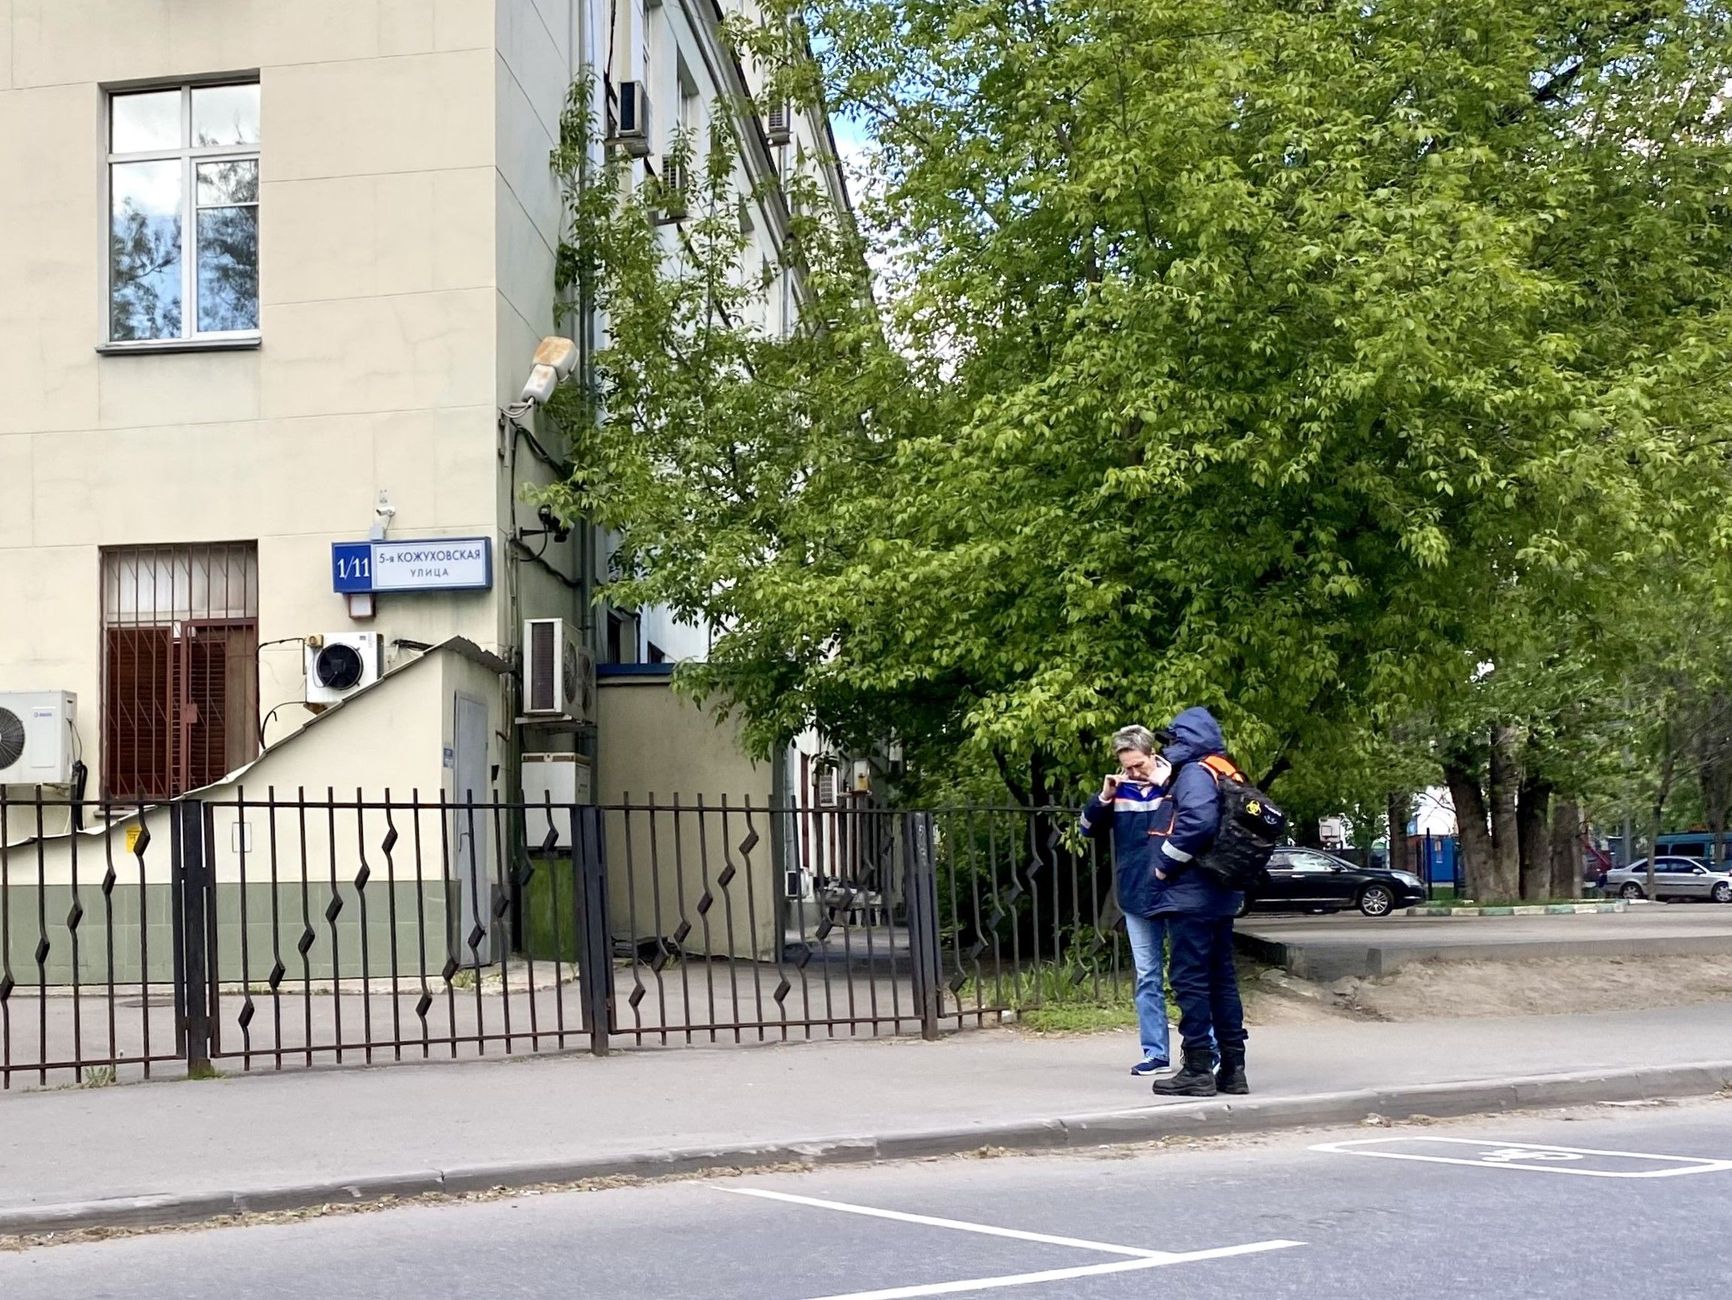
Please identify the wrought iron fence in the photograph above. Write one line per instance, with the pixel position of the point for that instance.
(272, 930)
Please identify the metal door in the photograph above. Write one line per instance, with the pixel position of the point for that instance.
(471, 793)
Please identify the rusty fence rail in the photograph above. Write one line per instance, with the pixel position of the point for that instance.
(269, 930)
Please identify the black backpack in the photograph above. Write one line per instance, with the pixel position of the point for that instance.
(1251, 826)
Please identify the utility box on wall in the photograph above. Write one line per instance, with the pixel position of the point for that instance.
(557, 781)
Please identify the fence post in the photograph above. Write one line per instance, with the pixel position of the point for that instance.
(594, 928)
(920, 885)
(191, 876)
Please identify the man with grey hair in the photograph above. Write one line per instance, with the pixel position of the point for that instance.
(1128, 807)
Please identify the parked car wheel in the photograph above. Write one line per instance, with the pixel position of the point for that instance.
(1245, 905)
(1376, 900)
(1722, 893)
(1630, 889)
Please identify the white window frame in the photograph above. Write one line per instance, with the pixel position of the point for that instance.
(190, 339)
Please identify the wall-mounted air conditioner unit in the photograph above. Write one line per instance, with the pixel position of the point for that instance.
(558, 673)
(779, 122)
(36, 737)
(631, 131)
(342, 663)
(671, 201)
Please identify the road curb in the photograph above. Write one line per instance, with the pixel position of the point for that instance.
(1519, 909)
(1216, 1117)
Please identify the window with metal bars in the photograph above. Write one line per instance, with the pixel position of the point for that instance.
(180, 693)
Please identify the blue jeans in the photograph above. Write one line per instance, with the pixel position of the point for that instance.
(1206, 984)
(1149, 952)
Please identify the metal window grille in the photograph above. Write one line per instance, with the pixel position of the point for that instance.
(180, 667)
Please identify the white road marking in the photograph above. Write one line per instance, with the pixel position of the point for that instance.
(956, 1225)
(997, 1283)
(1058, 1274)
(1138, 1260)
(1531, 1157)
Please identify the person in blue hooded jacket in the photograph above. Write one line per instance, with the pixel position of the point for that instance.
(1198, 914)
(1129, 805)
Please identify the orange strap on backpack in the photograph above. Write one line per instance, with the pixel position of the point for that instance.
(1218, 766)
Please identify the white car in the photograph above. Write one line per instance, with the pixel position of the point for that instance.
(1673, 878)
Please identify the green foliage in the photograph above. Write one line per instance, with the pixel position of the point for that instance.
(1294, 360)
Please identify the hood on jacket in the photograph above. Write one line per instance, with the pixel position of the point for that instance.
(1196, 735)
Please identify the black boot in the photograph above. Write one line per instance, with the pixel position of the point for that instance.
(1197, 1079)
(1230, 1078)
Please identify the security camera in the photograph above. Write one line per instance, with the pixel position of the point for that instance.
(553, 523)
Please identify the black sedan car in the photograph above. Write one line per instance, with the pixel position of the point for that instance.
(1309, 880)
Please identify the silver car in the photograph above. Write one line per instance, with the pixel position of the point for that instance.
(1673, 878)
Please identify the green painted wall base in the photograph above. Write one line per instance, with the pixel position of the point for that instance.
(420, 916)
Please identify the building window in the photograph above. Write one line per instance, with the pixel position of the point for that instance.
(180, 687)
(183, 214)
(656, 654)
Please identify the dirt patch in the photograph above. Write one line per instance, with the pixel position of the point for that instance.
(1560, 986)
(1273, 997)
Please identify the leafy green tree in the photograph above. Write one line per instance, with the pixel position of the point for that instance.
(1292, 359)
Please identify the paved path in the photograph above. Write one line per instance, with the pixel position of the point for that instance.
(705, 1003)
(1329, 947)
(1501, 1215)
(269, 1131)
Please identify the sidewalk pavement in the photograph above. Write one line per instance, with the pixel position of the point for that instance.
(171, 1152)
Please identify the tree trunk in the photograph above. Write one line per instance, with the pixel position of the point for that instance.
(1400, 812)
(1505, 837)
(1714, 768)
(1471, 826)
(1533, 817)
(1668, 771)
(1566, 847)
(1657, 828)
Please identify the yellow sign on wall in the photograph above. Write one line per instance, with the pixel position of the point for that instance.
(132, 837)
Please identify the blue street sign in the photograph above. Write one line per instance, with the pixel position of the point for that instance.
(431, 564)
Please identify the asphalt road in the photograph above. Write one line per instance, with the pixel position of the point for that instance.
(1624, 1203)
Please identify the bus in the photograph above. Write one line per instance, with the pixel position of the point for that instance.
(1696, 843)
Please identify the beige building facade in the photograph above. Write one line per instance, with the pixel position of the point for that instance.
(274, 274)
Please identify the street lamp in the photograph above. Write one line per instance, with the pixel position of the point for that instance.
(555, 359)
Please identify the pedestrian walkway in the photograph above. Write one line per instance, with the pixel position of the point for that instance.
(276, 1131)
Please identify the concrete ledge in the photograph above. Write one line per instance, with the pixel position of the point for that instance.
(1215, 1117)
(1324, 962)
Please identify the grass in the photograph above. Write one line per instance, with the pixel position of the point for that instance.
(1080, 1018)
(1060, 998)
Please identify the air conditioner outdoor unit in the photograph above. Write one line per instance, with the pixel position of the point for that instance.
(779, 122)
(631, 130)
(342, 663)
(671, 202)
(553, 782)
(36, 737)
(558, 673)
